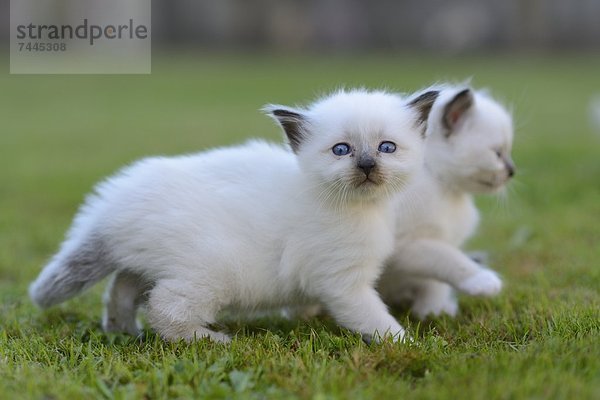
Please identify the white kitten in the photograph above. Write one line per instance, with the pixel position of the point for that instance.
(252, 226)
(468, 144)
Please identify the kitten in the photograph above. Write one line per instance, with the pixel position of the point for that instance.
(249, 227)
(468, 144)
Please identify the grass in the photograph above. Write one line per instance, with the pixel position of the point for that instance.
(539, 339)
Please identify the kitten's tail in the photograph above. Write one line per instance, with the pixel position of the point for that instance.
(77, 266)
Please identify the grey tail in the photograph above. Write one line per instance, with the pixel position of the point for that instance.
(72, 270)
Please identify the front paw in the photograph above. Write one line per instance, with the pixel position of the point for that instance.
(399, 335)
(422, 308)
(114, 325)
(484, 283)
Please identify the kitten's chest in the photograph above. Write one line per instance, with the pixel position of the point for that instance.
(367, 233)
(373, 235)
(358, 238)
(458, 219)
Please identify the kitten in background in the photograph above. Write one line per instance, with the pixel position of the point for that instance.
(250, 227)
(467, 151)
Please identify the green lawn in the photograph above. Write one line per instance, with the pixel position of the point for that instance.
(539, 339)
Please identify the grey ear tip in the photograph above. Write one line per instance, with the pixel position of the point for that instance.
(281, 112)
(269, 109)
(426, 98)
(465, 98)
(423, 103)
(468, 92)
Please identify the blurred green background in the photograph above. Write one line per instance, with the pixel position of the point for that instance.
(61, 134)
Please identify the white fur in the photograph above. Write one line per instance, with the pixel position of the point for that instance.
(249, 227)
(436, 214)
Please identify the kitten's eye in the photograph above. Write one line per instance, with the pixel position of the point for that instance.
(387, 147)
(498, 153)
(341, 149)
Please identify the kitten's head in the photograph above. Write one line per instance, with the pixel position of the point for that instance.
(355, 145)
(468, 141)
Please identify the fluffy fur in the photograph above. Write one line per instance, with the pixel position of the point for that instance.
(468, 144)
(249, 227)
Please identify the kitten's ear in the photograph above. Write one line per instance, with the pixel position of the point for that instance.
(291, 120)
(423, 103)
(456, 108)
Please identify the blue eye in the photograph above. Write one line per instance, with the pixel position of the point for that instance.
(387, 147)
(341, 149)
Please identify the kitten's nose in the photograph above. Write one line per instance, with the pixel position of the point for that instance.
(510, 168)
(366, 164)
(509, 165)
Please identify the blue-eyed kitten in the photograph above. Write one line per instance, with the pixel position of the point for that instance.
(467, 151)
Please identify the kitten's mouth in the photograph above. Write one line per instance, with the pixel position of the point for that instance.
(367, 182)
(486, 183)
(491, 185)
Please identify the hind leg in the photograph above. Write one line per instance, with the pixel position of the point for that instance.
(433, 298)
(303, 312)
(178, 310)
(125, 292)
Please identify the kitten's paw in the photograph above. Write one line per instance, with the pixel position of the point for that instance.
(422, 308)
(219, 337)
(484, 283)
(198, 334)
(397, 336)
(114, 325)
